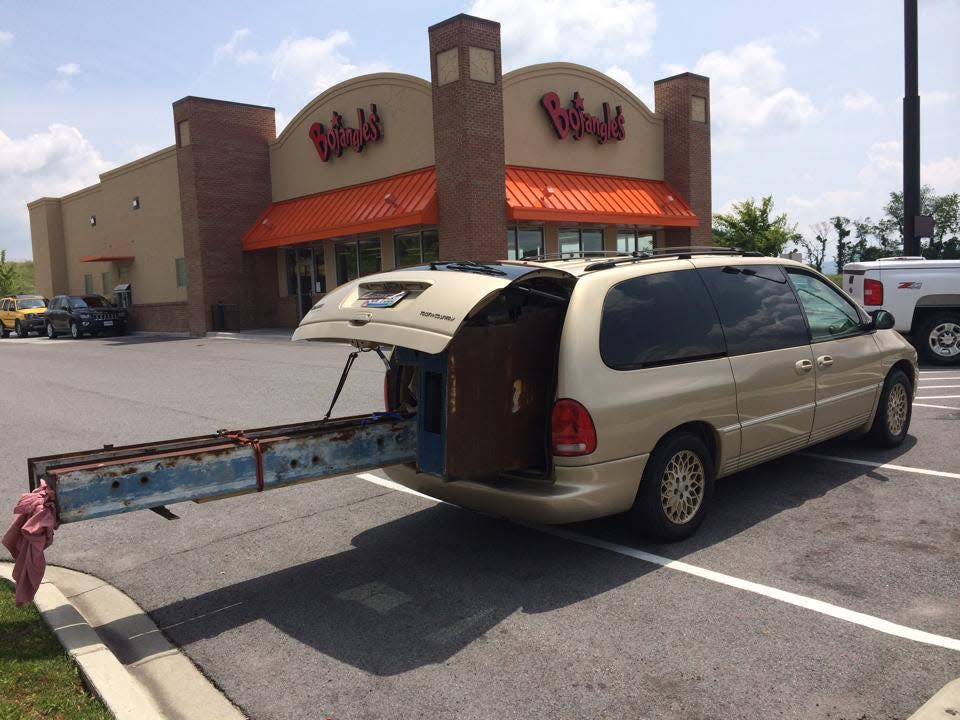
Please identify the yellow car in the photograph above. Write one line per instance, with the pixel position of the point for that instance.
(22, 314)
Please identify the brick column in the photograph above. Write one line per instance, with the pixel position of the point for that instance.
(468, 138)
(684, 102)
(223, 163)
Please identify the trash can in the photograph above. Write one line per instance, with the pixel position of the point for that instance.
(123, 296)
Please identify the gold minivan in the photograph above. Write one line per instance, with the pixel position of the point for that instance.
(561, 390)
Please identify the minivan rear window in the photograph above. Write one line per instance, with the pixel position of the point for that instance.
(757, 307)
(659, 319)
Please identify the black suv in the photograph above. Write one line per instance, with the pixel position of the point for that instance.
(80, 315)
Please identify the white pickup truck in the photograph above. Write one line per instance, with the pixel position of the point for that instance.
(922, 295)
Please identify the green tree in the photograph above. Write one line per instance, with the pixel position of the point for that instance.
(9, 276)
(752, 226)
(841, 226)
(815, 250)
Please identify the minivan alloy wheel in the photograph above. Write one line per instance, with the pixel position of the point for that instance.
(682, 486)
(944, 339)
(897, 403)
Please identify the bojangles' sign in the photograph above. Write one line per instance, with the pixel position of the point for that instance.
(333, 141)
(575, 121)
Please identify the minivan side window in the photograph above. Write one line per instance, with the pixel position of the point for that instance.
(757, 307)
(659, 319)
(829, 314)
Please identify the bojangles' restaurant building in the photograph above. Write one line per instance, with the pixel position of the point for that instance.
(378, 172)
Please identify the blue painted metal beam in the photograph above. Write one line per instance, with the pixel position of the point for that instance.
(116, 480)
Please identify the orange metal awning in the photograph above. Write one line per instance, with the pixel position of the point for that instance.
(558, 195)
(406, 199)
(107, 258)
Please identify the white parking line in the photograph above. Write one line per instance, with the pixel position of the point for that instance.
(936, 387)
(883, 466)
(941, 407)
(938, 378)
(824, 608)
(937, 397)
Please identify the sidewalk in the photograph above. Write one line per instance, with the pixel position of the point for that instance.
(123, 655)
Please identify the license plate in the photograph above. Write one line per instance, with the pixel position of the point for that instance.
(108, 323)
(382, 300)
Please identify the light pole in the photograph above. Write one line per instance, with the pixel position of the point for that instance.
(911, 131)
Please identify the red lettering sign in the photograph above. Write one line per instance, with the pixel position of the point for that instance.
(333, 142)
(577, 122)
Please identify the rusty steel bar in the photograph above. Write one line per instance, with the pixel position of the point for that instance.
(113, 480)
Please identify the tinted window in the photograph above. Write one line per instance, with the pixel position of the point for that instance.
(757, 307)
(829, 314)
(657, 319)
(31, 303)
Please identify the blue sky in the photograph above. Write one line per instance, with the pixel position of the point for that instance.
(806, 96)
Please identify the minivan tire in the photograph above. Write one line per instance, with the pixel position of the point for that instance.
(945, 321)
(894, 410)
(668, 506)
(51, 333)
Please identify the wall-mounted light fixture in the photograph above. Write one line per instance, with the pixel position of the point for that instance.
(93, 220)
(136, 202)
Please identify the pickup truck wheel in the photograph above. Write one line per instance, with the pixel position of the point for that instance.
(939, 339)
(20, 331)
(675, 490)
(51, 333)
(892, 420)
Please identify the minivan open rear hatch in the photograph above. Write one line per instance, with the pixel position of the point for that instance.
(475, 357)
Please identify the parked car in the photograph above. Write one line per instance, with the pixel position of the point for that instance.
(923, 296)
(563, 390)
(82, 315)
(22, 314)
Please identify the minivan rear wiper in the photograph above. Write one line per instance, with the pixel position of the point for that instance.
(467, 266)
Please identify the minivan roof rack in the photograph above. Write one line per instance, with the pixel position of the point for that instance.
(681, 253)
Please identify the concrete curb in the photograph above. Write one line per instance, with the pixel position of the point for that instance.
(123, 655)
(104, 674)
(945, 705)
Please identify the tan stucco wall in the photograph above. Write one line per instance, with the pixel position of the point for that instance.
(531, 141)
(405, 106)
(153, 234)
(46, 236)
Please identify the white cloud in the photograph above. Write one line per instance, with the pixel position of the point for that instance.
(859, 101)
(65, 75)
(943, 175)
(231, 49)
(5, 38)
(300, 67)
(749, 92)
(589, 32)
(625, 78)
(52, 163)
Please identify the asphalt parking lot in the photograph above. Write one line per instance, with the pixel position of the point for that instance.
(822, 585)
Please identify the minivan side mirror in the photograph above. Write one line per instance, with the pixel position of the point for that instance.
(882, 320)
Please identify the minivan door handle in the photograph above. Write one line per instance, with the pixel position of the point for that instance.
(803, 366)
(824, 361)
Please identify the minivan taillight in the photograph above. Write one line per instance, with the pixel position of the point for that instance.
(872, 292)
(571, 429)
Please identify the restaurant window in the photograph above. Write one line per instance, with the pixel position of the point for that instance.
(581, 239)
(524, 241)
(105, 281)
(88, 284)
(631, 240)
(290, 268)
(123, 274)
(180, 266)
(356, 258)
(319, 270)
(416, 247)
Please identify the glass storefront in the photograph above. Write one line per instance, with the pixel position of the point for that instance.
(356, 258)
(416, 247)
(631, 239)
(524, 241)
(581, 240)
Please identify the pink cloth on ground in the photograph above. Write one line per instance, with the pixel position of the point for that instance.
(28, 536)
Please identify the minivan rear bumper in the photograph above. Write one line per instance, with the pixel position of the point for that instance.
(577, 493)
